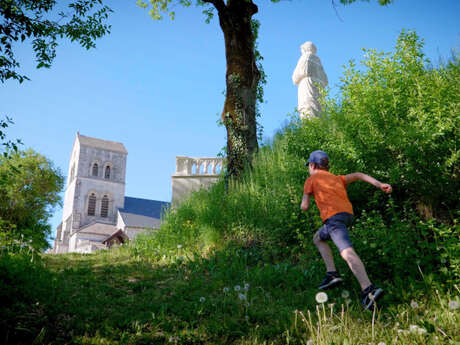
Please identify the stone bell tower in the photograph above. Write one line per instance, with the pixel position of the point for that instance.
(95, 187)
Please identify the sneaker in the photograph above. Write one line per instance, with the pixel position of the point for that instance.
(370, 296)
(331, 280)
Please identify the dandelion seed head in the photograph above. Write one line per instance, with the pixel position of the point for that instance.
(413, 328)
(241, 296)
(321, 297)
(226, 289)
(414, 304)
(247, 304)
(348, 301)
(246, 286)
(345, 294)
(237, 288)
(202, 299)
(453, 305)
(416, 329)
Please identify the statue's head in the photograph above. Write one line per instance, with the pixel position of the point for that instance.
(308, 48)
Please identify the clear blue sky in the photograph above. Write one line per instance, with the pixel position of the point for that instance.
(156, 86)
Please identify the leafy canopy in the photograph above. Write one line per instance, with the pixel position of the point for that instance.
(42, 22)
(161, 7)
(29, 190)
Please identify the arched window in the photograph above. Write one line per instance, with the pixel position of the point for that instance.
(107, 172)
(92, 205)
(105, 206)
(95, 169)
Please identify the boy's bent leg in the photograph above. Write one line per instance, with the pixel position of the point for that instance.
(356, 266)
(325, 251)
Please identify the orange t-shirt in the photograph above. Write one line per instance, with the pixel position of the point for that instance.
(330, 193)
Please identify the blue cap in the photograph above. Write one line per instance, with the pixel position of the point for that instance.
(317, 156)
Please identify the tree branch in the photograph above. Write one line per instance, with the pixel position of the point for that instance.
(218, 4)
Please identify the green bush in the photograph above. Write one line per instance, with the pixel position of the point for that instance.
(398, 120)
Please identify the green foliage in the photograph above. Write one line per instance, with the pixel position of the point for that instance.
(29, 189)
(32, 19)
(8, 145)
(397, 120)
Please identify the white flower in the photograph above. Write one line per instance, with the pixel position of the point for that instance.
(417, 329)
(241, 296)
(453, 305)
(310, 342)
(179, 246)
(345, 294)
(202, 299)
(414, 304)
(246, 286)
(348, 301)
(237, 288)
(413, 328)
(247, 304)
(321, 297)
(381, 343)
(226, 289)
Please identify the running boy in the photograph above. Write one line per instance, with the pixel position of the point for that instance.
(336, 211)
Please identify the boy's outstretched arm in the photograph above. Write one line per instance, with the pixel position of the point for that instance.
(369, 179)
(305, 202)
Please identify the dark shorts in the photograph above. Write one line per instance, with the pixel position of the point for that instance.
(335, 228)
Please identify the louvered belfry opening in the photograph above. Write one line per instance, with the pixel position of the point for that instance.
(95, 169)
(105, 206)
(107, 172)
(92, 205)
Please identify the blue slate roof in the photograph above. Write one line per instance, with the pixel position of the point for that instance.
(145, 207)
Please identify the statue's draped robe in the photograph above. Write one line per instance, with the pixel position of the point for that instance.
(307, 75)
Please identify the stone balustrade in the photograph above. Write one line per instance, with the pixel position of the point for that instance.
(192, 174)
(189, 166)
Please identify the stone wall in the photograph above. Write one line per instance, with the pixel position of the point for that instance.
(193, 174)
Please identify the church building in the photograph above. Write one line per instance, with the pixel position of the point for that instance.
(96, 211)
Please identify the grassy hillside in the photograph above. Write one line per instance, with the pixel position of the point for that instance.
(236, 264)
(223, 298)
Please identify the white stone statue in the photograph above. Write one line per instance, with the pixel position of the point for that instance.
(307, 75)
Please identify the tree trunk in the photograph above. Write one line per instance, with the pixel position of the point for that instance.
(242, 77)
